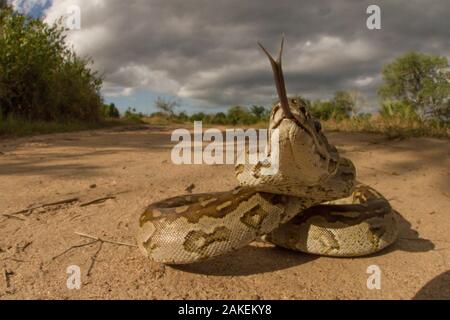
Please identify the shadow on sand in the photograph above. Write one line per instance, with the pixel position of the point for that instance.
(264, 258)
(408, 240)
(248, 261)
(437, 289)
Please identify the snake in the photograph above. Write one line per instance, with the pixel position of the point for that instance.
(313, 203)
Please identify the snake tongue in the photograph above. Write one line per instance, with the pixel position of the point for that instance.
(279, 79)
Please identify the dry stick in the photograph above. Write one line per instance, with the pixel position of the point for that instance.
(94, 259)
(94, 240)
(74, 247)
(105, 240)
(99, 200)
(13, 259)
(6, 275)
(67, 201)
(9, 216)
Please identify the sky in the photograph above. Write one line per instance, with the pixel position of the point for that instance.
(204, 54)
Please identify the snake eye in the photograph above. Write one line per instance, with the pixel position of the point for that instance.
(317, 125)
(302, 109)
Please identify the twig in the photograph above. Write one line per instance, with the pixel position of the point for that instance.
(94, 259)
(9, 216)
(12, 215)
(74, 247)
(94, 241)
(45, 205)
(105, 240)
(13, 259)
(8, 274)
(96, 201)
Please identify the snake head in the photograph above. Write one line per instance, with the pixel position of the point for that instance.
(310, 152)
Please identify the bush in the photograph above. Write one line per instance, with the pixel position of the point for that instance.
(133, 115)
(338, 108)
(240, 115)
(398, 109)
(40, 77)
(219, 118)
(199, 116)
(110, 111)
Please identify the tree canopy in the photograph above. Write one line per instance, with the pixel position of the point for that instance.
(419, 80)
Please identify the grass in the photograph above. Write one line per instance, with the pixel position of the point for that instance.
(16, 127)
(391, 127)
(161, 121)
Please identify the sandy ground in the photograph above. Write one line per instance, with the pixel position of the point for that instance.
(134, 168)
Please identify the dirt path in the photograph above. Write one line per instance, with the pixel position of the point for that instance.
(133, 168)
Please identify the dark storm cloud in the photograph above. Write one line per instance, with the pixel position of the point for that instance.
(206, 50)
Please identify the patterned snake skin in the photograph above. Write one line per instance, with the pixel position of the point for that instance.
(312, 204)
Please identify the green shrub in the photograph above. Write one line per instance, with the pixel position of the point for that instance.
(199, 116)
(110, 111)
(240, 115)
(219, 118)
(133, 115)
(40, 77)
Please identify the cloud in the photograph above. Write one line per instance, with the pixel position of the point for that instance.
(206, 50)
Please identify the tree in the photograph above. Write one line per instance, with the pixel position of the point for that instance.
(258, 111)
(182, 116)
(166, 106)
(132, 114)
(199, 116)
(219, 118)
(113, 111)
(110, 111)
(421, 81)
(357, 102)
(323, 110)
(239, 115)
(338, 108)
(343, 104)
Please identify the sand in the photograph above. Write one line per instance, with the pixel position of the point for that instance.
(131, 168)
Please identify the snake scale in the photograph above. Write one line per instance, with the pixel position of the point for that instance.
(312, 204)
